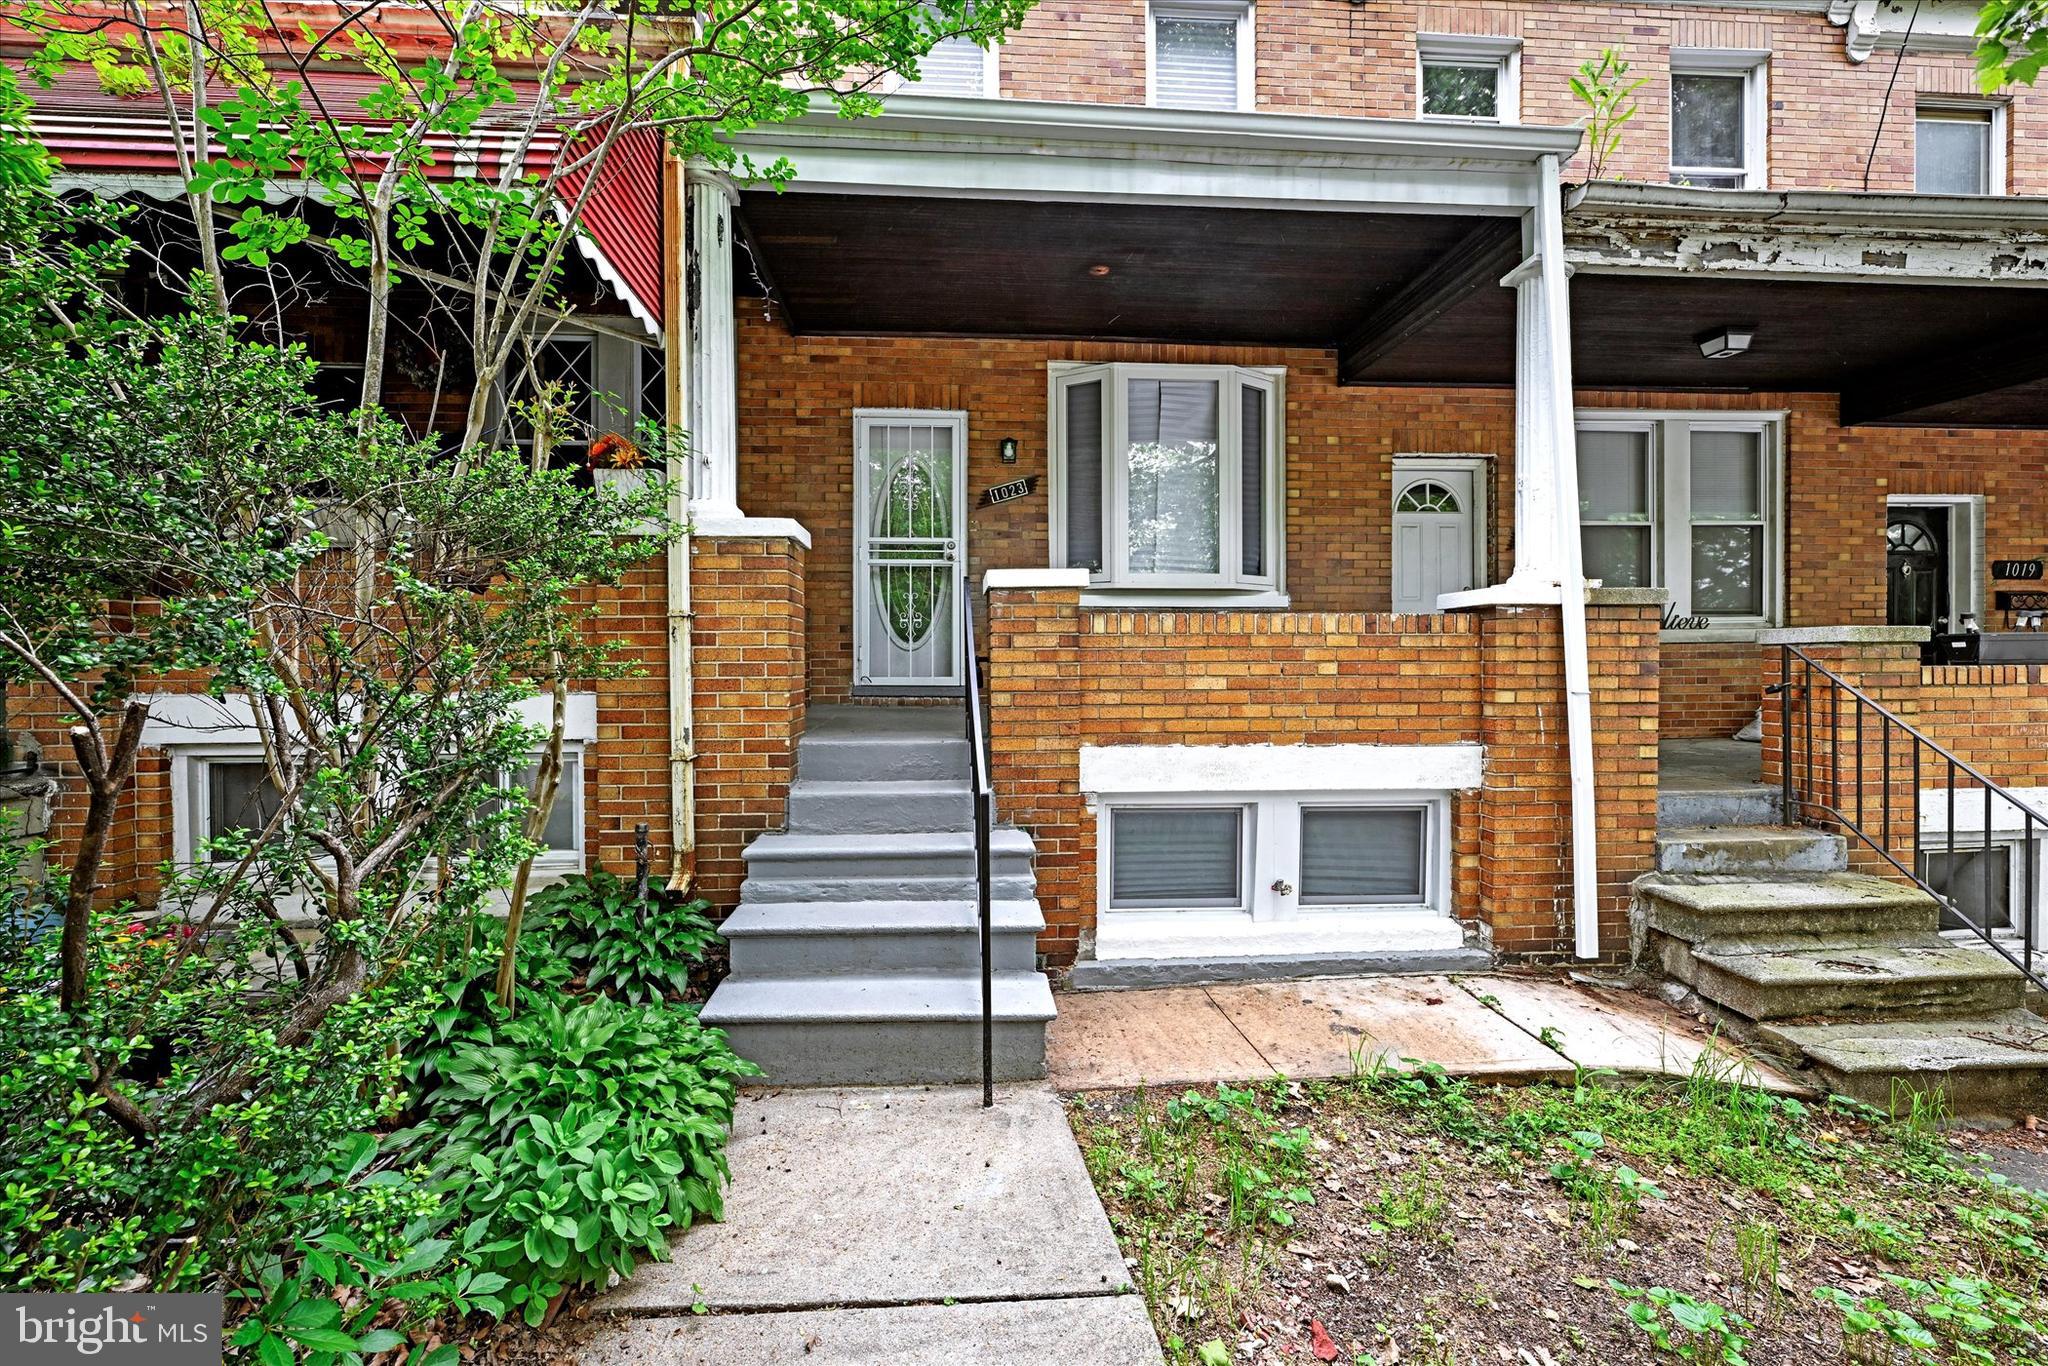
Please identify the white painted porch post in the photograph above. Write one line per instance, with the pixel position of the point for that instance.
(711, 385)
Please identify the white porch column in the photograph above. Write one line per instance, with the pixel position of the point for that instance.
(710, 346)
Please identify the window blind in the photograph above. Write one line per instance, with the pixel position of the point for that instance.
(1361, 855)
(1084, 475)
(1195, 63)
(1251, 477)
(1727, 479)
(1176, 857)
(954, 66)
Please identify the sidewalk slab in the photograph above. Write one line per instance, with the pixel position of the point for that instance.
(889, 1197)
(1169, 1036)
(1622, 1032)
(1103, 1330)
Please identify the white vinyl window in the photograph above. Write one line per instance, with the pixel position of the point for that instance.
(1274, 856)
(1959, 149)
(1465, 79)
(1685, 502)
(610, 384)
(1167, 476)
(1199, 54)
(562, 839)
(955, 66)
(230, 794)
(1719, 119)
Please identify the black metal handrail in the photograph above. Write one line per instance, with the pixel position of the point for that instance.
(982, 792)
(1822, 789)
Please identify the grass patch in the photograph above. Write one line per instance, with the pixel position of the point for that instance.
(1405, 1215)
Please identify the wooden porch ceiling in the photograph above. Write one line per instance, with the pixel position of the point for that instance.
(1404, 299)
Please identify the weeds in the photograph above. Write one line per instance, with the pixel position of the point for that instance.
(1688, 1328)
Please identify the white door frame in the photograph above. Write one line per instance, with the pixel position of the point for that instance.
(954, 681)
(1409, 464)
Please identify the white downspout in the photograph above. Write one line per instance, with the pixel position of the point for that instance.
(682, 716)
(1578, 685)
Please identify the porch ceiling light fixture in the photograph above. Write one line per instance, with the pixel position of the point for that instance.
(1723, 342)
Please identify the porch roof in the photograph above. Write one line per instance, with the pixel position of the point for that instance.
(1386, 240)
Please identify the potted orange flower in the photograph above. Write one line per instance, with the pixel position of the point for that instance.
(616, 461)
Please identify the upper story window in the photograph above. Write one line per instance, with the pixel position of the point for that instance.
(1468, 79)
(1959, 149)
(1718, 119)
(956, 66)
(1687, 502)
(1199, 54)
(1165, 475)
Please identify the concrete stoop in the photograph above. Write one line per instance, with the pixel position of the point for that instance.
(855, 949)
(1845, 976)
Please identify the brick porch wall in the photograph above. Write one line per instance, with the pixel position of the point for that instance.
(1062, 676)
(747, 596)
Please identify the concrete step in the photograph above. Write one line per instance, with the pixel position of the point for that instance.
(1729, 849)
(859, 757)
(1818, 908)
(921, 866)
(1693, 807)
(822, 939)
(1912, 977)
(840, 808)
(1992, 1066)
(882, 1029)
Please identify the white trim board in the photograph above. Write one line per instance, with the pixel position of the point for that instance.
(1137, 770)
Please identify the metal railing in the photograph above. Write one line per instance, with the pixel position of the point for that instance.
(982, 793)
(1815, 769)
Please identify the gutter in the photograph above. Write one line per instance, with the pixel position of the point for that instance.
(1997, 216)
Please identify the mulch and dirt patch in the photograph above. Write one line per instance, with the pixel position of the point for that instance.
(1415, 1218)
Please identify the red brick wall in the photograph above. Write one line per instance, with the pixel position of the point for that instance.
(748, 599)
(1525, 876)
(1323, 57)
(1062, 676)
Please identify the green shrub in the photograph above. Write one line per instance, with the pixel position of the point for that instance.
(575, 1138)
(633, 950)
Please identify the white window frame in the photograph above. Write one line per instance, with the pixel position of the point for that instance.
(1754, 67)
(1241, 10)
(1670, 453)
(617, 372)
(1231, 583)
(1994, 112)
(1457, 49)
(1966, 565)
(991, 88)
(2008, 830)
(561, 861)
(1272, 855)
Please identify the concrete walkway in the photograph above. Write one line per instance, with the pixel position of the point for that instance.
(1499, 1026)
(900, 1226)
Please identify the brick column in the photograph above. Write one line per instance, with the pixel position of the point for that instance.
(1034, 699)
(1525, 877)
(747, 594)
(1834, 768)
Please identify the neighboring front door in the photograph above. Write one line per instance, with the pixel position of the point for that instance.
(909, 520)
(1436, 522)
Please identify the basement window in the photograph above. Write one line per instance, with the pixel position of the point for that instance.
(1718, 119)
(1688, 503)
(562, 839)
(1274, 856)
(1199, 55)
(1165, 476)
(1463, 79)
(1958, 149)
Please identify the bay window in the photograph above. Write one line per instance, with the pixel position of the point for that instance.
(1165, 476)
(1688, 503)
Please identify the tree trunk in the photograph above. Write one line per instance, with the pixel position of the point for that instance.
(547, 784)
(106, 777)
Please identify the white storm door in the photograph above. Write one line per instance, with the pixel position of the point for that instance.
(910, 552)
(1436, 520)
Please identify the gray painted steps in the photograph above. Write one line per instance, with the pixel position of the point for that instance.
(856, 948)
(1984, 1066)
(790, 939)
(883, 1028)
(879, 807)
(1730, 849)
(1692, 807)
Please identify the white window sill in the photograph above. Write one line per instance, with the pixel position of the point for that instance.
(1211, 934)
(1186, 599)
